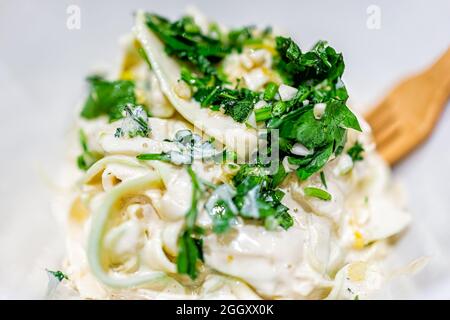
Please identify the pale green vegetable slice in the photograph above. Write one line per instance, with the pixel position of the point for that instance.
(100, 218)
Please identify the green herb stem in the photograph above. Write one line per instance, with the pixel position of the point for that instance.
(270, 91)
(154, 156)
(279, 108)
(263, 114)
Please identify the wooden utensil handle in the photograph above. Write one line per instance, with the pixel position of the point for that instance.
(439, 74)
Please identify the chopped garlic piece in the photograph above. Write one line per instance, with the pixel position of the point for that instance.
(182, 90)
(260, 57)
(319, 110)
(287, 92)
(256, 79)
(288, 167)
(300, 150)
(260, 104)
(251, 121)
(344, 165)
(246, 61)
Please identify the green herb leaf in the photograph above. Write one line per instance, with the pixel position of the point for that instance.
(323, 180)
(317, 193)
(355, 152)
(237, 103)
(317, 76)
(221, 208)
(321, 63)
(325, 136)
(134, 124)
(184, 40)
(258, 198)
(190, 147)
(263, 114)
(108, 98)
(59, 275)
(189, 253)
(190, 247)
(87, 157)
(154, 156)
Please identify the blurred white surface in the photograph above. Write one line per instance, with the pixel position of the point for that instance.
(42, 69)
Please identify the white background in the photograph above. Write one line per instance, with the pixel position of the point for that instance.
(43, 64)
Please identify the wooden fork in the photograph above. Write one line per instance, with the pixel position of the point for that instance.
(407, 116)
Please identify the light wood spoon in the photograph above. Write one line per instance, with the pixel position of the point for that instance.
(408, 114)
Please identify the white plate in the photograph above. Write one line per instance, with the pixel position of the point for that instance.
(43, 64)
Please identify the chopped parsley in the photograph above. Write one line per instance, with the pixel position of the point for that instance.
(270, 91)
(190, 252)
(323, 179)
(325, 137)
(321, 63)
(190, 147)
(254, 194)
(87, 158)
(134, 123)
(221, 208)
(163, 156)
(108, 98)
(202, 53)
(237, 103)
(190, 243)
(355, 152)
(184, 40)
(59, 275)
(258, 198)
(316, 74)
